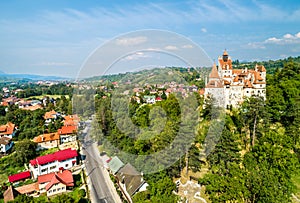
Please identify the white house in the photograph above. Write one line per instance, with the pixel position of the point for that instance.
(64, 159)
(150, 99)
(55, 183)
(5, 144)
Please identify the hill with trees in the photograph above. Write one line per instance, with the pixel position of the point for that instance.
(255, 160)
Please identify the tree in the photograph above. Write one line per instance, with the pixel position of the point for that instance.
(226, 151)
(25, 151)
(253, 110)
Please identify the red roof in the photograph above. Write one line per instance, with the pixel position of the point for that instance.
(19, 176)
(64, 177)
(66, 130)
(56, 156)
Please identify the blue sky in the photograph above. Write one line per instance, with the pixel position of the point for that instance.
(56, 37)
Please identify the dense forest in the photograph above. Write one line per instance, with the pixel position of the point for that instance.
(255, 160)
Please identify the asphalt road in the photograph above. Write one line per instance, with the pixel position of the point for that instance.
(100, 185)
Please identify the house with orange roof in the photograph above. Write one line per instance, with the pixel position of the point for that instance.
(229, 87)
(29, 189)
(71, 120)
(55, 183)
(67, 133)
(50, 115)
(8, 130)
(47, 141)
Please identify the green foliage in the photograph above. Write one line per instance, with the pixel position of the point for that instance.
(265, 172)
(25, 151)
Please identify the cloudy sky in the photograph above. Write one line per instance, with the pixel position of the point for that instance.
(56, 37)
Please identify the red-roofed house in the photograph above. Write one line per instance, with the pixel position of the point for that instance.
(64, 159)
(67, 134)
(55, 183)
(8, 130)
(19, 176)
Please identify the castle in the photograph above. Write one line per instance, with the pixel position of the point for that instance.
(230, 86)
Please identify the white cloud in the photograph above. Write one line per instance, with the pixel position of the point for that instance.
(204, 30)
(131, 41)
(187, 46)
(288, 36)
(171, 48)
(285, 39)
(136, 56)
(272, 40)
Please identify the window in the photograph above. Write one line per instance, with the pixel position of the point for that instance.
(54, 190)
(52, 167)
(44, 170)
(67, 165)
(247, 91)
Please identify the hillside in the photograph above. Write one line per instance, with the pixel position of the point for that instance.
(255, 160)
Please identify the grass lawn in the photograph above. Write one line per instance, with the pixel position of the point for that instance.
(7, 169)
(47, 95)
(48, 151)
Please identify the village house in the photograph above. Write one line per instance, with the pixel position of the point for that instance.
(47, 141)
(131, 181)
(56, 182)
(29, 189)
(50, 116)
(67, 134)
(71, 120)
(8, 130)
(5, 144)
(64, 159)
(229, 87)
(19, 177)
(149, 99)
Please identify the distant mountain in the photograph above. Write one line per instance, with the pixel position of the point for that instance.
(31, 77)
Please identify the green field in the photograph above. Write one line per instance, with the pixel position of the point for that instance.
(47, 95)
